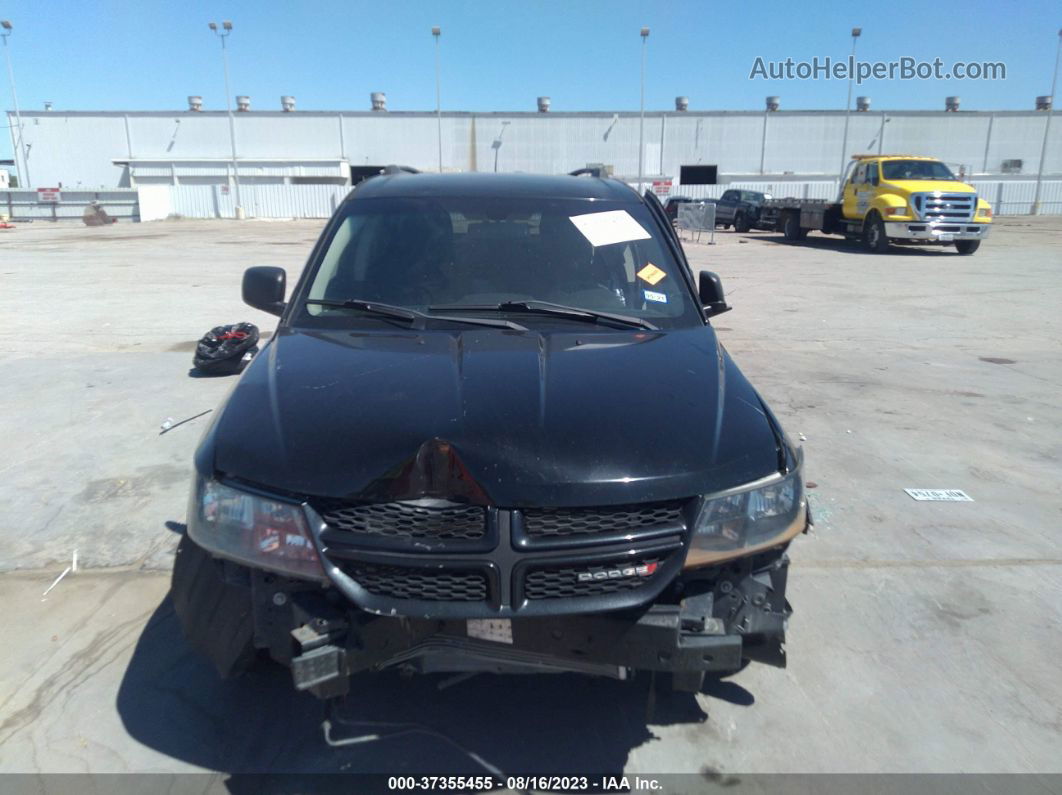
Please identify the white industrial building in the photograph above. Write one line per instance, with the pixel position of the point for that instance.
(325, 151)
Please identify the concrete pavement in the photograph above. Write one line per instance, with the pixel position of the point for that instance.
(926, 636)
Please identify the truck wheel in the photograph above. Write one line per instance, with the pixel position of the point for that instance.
(874, 237)
(216, 616)
(791, 228)
(967, 246)
(741, 223)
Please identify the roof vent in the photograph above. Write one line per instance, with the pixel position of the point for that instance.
(951, 104)
(287, 103)
(1044, 102)
(543, 104)
(773, 103)
(195, 104)
(379, 100)
(682, 103)
(863, 104)
(47, 105)
(243, 104)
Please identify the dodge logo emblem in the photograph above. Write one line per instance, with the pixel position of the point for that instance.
(621, 573)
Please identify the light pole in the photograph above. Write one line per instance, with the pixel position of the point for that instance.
(497, 144)
(23, 172)
(641, 115)
(224, 34)
(848, 105)
(436, 32)
(1047, 128)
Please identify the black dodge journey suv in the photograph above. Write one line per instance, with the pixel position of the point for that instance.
(494, 431)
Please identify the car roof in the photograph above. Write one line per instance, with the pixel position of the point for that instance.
(486, 185)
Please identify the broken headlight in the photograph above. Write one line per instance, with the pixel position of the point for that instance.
(748, 519)
(259, 531)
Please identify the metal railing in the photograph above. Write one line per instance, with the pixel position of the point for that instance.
(27, 205)
(697, 218)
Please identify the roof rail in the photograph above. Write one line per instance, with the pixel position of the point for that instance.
(913, 157)
(590, 171)
(395, 169)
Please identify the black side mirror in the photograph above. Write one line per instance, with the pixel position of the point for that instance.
(711, 294)
(263, 288)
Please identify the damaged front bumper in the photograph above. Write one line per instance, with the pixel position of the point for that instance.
(711, 620)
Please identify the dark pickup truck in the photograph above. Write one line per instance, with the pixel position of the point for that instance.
(740, 209)
(671, 206)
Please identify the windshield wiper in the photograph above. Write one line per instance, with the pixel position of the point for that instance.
(557, 310)
(414, 318)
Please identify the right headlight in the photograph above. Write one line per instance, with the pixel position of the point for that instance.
(252, 529)
(748, 519)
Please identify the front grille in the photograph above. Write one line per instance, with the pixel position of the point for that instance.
(433, 585)
(554, 522)
(405, 519)
(559, 582)
(944, 206)
(485, 561)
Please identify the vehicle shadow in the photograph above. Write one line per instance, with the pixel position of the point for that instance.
(840, 245)
(171, 700)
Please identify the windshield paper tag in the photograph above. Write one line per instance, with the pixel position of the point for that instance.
(652, 274)
(660, 298)
(604, 229)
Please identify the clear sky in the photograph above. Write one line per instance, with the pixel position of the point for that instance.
(501, 54)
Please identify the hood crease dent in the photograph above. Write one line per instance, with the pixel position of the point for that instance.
(505, 418)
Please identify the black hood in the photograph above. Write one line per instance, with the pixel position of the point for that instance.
(506, 418)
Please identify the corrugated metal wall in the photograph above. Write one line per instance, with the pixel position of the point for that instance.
(78, 149)
(798, 189)
(259, 201)
(1016, 197)
(319, 201)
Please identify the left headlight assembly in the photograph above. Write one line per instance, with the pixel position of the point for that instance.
(748, 519)
(255, 530)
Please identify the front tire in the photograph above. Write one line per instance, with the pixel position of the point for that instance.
(741, 223)
(874, 237)
(967, 247)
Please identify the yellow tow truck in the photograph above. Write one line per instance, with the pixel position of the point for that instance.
(890, 199)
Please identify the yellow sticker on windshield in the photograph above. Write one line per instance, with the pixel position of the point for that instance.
(650, 273)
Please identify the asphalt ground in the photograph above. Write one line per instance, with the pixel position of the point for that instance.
(926, 636)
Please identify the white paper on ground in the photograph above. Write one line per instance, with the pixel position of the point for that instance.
(940, 495)
(499, 630)
(614, 226)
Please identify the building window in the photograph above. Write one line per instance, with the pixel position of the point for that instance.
(698, 175)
